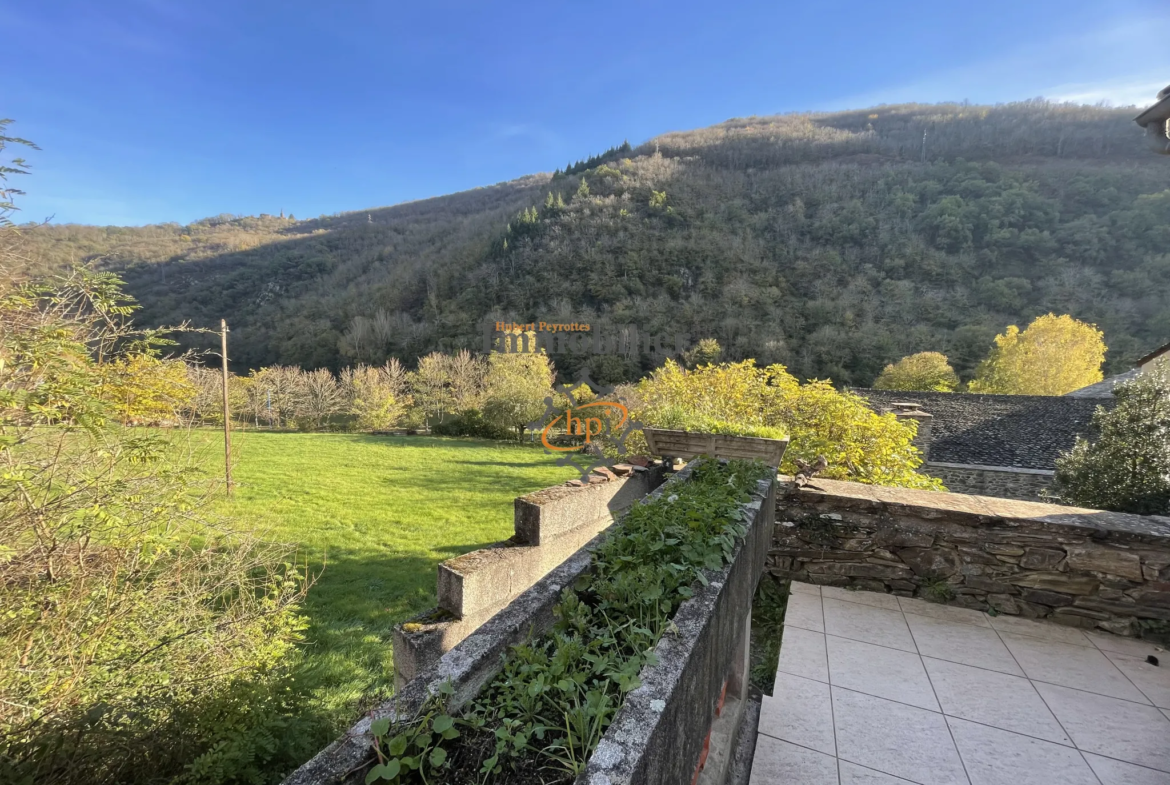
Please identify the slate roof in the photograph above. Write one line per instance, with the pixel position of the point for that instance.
(1022, 431)
(1153, 355)
(1158, 112)
(1104, 388)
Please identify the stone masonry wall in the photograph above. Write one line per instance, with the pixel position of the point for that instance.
(1084, 568)
(1004, 482)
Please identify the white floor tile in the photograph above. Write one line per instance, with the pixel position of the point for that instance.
(1131, 646)
(864, 623)
(799, 711)
(944, 612)
(802, 653)
(796, 587)
(1114, 772)
(804, 611)
(1152, 680)
(895, 662)
(877, 670)
(780, 763)
(852, 774)
(964, 643)
(997, 757)
(1111, 727)
(892, 738)
(1079, 667)
(996, 699)
(872, 598)
(1039, 629)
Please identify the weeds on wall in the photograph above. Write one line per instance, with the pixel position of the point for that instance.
(540, 719)
(768, 607)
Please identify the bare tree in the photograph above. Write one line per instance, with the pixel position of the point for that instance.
(466, 375)
(322, 396)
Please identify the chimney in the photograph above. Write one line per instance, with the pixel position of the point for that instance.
(908, 410)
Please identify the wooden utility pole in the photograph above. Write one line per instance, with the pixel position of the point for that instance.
(227, 415)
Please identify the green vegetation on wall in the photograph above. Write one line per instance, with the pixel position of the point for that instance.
(545, 712)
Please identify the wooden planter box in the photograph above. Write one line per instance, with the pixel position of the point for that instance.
(689, 444)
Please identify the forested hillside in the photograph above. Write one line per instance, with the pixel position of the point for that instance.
(833, 243)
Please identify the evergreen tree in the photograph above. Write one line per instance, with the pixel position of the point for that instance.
(1126, 465)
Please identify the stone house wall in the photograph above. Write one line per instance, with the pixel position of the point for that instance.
(1002, 481)
(1084, 568)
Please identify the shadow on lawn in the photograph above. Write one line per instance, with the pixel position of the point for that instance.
(548, 461)
(352, 609)
(474, 485)
(347, 662)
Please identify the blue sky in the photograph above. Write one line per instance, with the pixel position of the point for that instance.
(153, 111)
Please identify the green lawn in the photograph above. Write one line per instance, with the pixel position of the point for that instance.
(378, 513)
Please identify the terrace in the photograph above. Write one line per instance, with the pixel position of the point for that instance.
(1027, 665)
(878, 689)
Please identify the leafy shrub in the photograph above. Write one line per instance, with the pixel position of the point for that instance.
(1126, 466)
(677, 418)
(744, 399)
(132, 629)
(472, 423)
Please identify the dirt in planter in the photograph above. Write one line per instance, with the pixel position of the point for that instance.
(476, 746)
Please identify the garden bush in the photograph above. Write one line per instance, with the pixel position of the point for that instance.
(746, 400)
(472, 423)
(1125, 466)
(140, 642)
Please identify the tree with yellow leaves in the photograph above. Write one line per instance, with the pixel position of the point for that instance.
(744, 399)
(1054, 355)
(517, 385)
(929, 371)
(145, 389)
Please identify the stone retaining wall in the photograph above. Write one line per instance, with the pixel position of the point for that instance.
(657, 737)
(1084, 568)
(682, 724)
(550, 526)
(1005, 482)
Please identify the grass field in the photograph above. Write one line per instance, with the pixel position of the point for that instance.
(378, 513)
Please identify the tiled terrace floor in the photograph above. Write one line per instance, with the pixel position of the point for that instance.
(873, 689)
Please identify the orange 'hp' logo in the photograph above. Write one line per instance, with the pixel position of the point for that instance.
(583, 426)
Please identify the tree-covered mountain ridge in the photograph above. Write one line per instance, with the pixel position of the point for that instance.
(834, 243)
